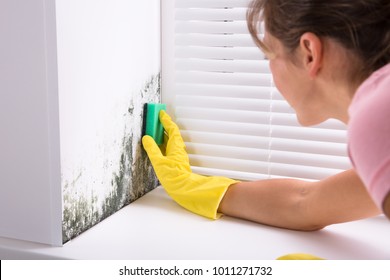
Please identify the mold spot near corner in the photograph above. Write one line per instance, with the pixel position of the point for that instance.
(79, 211)
(133, 178)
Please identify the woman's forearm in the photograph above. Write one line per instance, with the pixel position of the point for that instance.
(275, 202)
(298, 204)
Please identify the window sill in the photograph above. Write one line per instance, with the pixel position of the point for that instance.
(155, 227)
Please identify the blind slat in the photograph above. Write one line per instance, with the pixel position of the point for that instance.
(229, 173)
(222, 90)
(241, 53)
(249, 79)
(237, 14)
(214, 40)
(211, 3)
(279, 120)
(262, 142)
(295, 158)
(223, 103)
(266, 168)
(212, 27)
(219, 65)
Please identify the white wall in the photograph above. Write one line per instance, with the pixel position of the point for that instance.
(109, 62)
(74, 75)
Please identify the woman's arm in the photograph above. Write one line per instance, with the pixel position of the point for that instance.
(298, 204)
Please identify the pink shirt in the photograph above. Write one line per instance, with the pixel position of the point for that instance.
(369, 133)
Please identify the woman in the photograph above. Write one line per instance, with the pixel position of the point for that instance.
(329, 59)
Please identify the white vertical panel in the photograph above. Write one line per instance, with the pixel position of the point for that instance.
(30, 186)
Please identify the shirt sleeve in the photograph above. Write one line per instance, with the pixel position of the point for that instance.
(369, 137)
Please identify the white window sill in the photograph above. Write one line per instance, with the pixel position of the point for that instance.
(155, 227)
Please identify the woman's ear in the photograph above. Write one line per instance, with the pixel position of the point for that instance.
(311, 49)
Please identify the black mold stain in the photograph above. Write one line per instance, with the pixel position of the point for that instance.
(81, 213)
(134, 178)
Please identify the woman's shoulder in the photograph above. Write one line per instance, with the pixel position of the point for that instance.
(373, 91)
(369, 132)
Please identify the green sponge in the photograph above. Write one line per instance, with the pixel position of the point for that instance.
(152, 125)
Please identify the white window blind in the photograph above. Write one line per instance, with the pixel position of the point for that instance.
(219, 89)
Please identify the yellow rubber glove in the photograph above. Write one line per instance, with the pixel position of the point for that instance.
(299, 256)
(199, 194)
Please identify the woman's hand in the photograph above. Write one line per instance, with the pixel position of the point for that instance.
(199, 194)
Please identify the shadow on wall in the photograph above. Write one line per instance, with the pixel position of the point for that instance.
(132, 178)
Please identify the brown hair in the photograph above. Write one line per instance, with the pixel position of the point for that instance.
(362, 26)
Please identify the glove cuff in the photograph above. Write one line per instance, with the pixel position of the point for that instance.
(202, 195)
